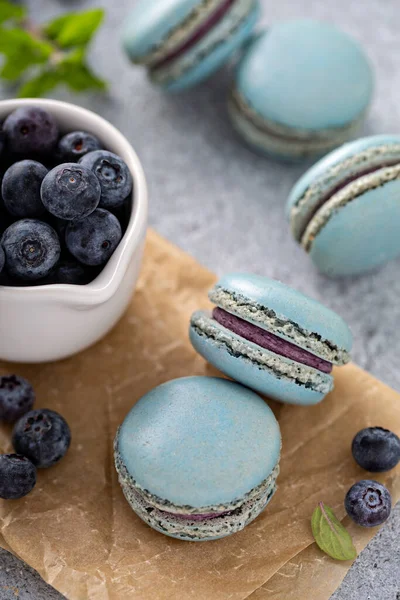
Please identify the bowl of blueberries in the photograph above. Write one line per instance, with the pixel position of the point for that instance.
(73, 218)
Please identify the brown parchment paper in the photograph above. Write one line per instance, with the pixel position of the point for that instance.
(78, 531)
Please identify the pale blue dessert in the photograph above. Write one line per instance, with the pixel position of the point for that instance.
(302, 88)
(271, 338)
(182, 42)
(345, 210)
(198, 457)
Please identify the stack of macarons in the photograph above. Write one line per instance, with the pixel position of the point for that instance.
(301, 88)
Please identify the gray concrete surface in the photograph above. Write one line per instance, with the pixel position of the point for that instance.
(224, 205)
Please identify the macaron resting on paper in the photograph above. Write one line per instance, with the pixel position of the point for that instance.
(182, 42)
(198, 457)
(345, 210)
(271, 338)
(301, 89)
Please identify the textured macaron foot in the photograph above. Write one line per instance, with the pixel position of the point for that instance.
(301, 89)
(182, 42)
(208, 464)
(195, 527)
(344, 211)
(271, 338)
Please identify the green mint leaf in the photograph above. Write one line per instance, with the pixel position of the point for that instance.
(10, 11)
(80, 78)
(21, 51)
(39, 85)
(330, 535)
(55, 27)
(74, 29)
(75, 57)
(77, 76)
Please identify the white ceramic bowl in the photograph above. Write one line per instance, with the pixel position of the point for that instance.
(50, 322)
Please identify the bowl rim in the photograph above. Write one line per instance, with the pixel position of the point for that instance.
(107, 282)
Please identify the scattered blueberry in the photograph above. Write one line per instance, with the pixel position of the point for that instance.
(113, 174)
(21, 188)
(376, 449)
(368, 503)
(32, 249)
(2, 259)
(43, 436)
(17, 476)
(16, 397)
(70, 191)
(70, 271)
(93, 240)
(30, 130)
(76, 144)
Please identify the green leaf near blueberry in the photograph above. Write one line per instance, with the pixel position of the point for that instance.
(330, 535)
(368, 503)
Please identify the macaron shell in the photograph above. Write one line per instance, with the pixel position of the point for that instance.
(279, 147)
(343, 153)
(289, 304)
(215, 49)
(306, 75)
(151, 21)
(199, 530)
(199, 442)
(361, 235)
(250, 374)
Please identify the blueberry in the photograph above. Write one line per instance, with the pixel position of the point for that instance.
(123, 214)
(32, 249)
(43, 436)
(21, 188)
(59, 226)
(368, 503)
(93, 240)
(72, 272)
(74, 145)
(114, 176)
(17, 476)
(376, 449)
(16, 397)
(2, 259)
(2, 140)
(30, 130)
(70, 191)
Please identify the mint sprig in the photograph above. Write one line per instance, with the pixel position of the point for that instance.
(42, 57)
(330, 535)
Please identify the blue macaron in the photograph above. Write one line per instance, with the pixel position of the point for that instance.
(345, 210)
(302, 88)
(271, 338)
(198, 457)
(182, 42)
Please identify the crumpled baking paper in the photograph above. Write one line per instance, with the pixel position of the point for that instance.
(77, 529)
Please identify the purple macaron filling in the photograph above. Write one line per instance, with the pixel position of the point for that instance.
(269, 341)
(201, 32)
(342, 184)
